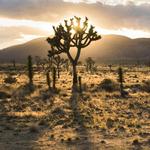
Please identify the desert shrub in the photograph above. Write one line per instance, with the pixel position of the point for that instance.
(146, 86)
(58, 111)
(24, 90)
(108, 85)
(43, 123)
(134, 88)
(69, 139)
(10, 80)
(110, 123)
(135, 142)
(34, 129)
(103, 141)
(12, 73)
(45, 95)
(4, 95)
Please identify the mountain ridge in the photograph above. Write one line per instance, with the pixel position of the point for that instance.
(109, 48)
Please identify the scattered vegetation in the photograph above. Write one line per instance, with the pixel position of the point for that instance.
(108, 85)
(91, 115)
(10, 80)
(146, 86)
(34, 129)
(90, 64)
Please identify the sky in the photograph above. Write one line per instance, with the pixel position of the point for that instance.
(24, 20)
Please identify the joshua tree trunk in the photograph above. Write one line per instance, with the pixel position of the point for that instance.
(121, 89)
(75, 78)
(58, 72)
(74, 64)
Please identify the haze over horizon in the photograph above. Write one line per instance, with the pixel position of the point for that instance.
(22, 21)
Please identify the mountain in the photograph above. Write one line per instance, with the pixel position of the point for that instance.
(110, 48)
(19, 53)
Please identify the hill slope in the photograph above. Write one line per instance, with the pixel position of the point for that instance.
(36, 47)
(110, 48)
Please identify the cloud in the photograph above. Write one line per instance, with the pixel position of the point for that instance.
(108, 16)
(16, 35)
(26, 19)
(111, 2)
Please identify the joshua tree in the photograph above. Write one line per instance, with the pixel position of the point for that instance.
(14, 64)
(80, 84)
(58, 61)
(48, 80)
(40, 62)
(37, 61)
(90, 64)
(66, 64)
(73, 34)
(110, 67)
(54, 78)
(51, 54)
(30, 70)
(43, 63)
(120, 79)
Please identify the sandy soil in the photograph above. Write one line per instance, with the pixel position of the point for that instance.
(94, 120)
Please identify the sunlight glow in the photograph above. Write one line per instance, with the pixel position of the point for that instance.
(27, 37)
(131, 33)
(48, 30)
(45, 26)
(23, 39)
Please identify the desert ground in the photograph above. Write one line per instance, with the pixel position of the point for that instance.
(96, 119)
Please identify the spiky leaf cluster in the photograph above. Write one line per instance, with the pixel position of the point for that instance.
(74, 33)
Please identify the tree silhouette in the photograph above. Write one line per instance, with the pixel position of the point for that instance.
(30, 70)
(14, 64)
(73, 34)
(58, 61)
(51, 54)
(66, 64)
(90, 64)
(121, 80)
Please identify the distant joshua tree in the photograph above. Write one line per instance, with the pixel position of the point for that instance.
(58, 61)
(110, 67)
(43, 63)
(37, 61)
(73, 34)
(121, 80)
(14, 64)
(40, 62)
(90, 64)
(51, 54)
(66, 64)
(30, 70)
